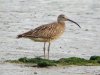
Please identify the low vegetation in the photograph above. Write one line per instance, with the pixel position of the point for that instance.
(94, 60)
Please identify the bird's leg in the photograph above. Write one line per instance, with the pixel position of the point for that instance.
(44, 49)
(48, 49)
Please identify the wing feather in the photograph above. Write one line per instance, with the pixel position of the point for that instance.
(44, 31)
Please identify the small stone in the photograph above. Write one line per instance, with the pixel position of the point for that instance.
(35, 72)
(86, 30)
(60, 47)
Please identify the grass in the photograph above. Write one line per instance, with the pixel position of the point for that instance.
(73, 61)
(94, 60)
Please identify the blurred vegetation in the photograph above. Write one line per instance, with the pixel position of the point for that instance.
(93, 61)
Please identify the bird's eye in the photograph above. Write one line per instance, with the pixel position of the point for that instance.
(63, 17)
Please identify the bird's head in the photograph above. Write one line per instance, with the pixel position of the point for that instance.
(62, 18)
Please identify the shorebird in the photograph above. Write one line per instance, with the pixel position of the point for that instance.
(48, 32)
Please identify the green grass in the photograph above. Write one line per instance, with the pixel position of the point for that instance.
(94, 60)
(73, 61)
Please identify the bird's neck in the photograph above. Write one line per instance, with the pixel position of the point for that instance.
(61, 22)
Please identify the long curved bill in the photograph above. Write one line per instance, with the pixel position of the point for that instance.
(74, 22)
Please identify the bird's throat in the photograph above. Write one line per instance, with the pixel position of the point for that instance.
(61, 22)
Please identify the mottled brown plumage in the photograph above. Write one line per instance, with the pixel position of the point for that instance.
(47, 32)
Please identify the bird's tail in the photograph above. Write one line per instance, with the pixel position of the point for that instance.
(19, 36)
(25, 35)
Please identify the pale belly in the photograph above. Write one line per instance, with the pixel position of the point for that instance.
(44, 39)
(39, 39)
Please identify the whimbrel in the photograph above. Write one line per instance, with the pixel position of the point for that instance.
(47, 32)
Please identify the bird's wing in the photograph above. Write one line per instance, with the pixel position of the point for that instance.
(45, 31)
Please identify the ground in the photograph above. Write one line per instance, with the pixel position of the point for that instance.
(18, 16)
